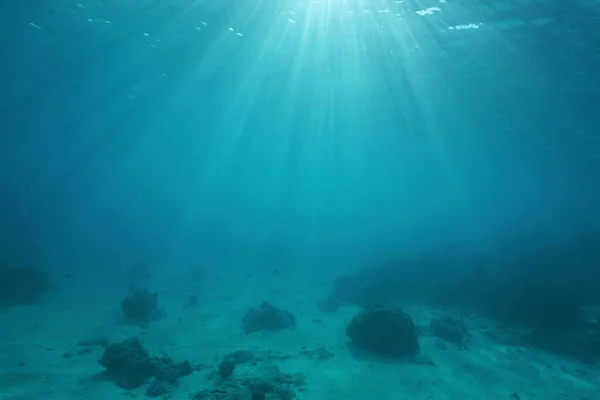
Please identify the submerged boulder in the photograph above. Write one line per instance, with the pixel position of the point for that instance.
(226, 368)
(130, 365)
(140, 306)
(384, 332)
(267, 317)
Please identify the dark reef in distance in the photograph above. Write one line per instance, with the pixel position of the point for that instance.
(22, 285)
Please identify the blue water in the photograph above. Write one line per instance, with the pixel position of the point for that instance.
(300, 130)
(321, 155)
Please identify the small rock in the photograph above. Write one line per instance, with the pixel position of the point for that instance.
(226, 368)
(267, 317)
(258, 396)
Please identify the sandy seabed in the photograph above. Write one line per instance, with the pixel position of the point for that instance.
(40, 359)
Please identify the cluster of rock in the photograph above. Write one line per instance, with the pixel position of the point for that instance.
(130, 366)
(545, 311)
(242, 375)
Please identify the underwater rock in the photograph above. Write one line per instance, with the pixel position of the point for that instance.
(284, 392)
(21, 285)
(450, 329)
(140, 306)
(258, 385)
(268, 318)
(130, 365)
(224, 392)
(269, 380)
(255, 381)
(169, 371)
(384, 332)
(226, 368)
(241, 357)
(258, 396)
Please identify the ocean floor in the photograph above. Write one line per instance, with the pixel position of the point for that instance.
(40, 357)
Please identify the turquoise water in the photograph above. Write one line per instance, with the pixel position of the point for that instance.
(311, 199)
(295, 130)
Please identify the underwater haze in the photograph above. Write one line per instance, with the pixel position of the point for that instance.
(211, 161)
(169, 129)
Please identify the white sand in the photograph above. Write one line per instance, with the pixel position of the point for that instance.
(34, 339)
